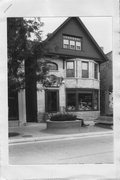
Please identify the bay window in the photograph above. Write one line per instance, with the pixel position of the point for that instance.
(81, 100)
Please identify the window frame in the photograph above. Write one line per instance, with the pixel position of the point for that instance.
(87, 62)
(70, 69)
(70, 38)
(96, 72)
(82, 91)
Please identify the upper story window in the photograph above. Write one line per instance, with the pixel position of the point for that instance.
(85, 71)
(71, 42)
(96, 71)
(52, 66)
(70, 72)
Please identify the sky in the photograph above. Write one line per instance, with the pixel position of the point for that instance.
(99, 27)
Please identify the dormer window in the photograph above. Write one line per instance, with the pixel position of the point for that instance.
(71, 42)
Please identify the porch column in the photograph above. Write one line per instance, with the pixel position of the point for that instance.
(22, 107)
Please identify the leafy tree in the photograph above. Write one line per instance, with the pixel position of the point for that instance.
(24, 50)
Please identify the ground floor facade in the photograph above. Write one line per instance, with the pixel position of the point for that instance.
(84, 102)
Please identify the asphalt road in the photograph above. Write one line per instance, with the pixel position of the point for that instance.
(86, 150)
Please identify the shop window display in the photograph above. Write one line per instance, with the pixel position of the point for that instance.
(79, 100)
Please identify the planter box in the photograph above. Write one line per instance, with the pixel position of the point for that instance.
(64, 124)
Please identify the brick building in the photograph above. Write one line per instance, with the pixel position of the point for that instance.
(73, 84)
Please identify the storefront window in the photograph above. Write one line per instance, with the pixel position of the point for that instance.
(85, 102)
(95, 99)
(82, 100)
(71, 101)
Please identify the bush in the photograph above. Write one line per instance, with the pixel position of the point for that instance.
(63, 117)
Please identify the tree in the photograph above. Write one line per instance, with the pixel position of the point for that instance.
(25, 47)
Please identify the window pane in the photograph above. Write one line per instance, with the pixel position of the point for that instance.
(70, 69)
(71, 101)
(66, 44)
(85, 65)
(95, 71)
(95, 100)
(65, 41)
(85, 69)
(70, 65)
(78, 45)
(85, 101)
(72, 44)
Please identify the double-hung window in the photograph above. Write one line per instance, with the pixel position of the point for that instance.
(96, 71)
(70, 71)
(85, 69)
(72, 42)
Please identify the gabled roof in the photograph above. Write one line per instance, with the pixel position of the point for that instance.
(86, 31)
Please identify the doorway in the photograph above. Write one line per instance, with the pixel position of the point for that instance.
(52, 100)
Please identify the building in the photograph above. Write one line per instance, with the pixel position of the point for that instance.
(73, 84)
(106, 86)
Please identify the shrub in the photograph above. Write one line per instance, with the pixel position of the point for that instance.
(63, 117)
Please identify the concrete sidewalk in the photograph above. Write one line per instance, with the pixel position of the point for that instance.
(38, 132)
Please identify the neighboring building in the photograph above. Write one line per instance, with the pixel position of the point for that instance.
(73, 84)
(106, 86)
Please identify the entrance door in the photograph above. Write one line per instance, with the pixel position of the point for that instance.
(52, 100)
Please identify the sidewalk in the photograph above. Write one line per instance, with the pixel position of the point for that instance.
(38, 132)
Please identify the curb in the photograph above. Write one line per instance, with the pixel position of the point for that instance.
(58, 137)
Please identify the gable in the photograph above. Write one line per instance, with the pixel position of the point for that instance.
(75, 28)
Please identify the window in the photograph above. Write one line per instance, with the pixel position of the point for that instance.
(81, 100)
(85, 101)
(78, 45)
(52, 66)
(71, 42)
(85, 72)
(95, 100)
(66, 43)
(70, 69)
(71, 101)
(96, 71)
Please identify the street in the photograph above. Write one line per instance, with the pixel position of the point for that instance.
(88, 150)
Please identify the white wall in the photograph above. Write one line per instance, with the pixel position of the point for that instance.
(77, 82)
